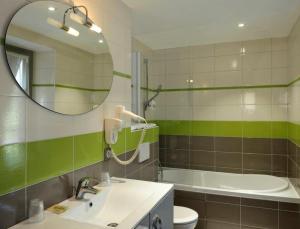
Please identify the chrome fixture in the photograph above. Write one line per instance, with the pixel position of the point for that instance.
(84, 186)
(87, 22)
(148, 102)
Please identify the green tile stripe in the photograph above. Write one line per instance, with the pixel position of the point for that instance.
(294, 132)
(70, 87)
(54, 157)
(124, 75)
(257, 129)
(224, 88)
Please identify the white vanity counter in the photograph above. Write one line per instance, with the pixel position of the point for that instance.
(126, 202)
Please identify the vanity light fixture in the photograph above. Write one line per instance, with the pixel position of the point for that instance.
(86, 21)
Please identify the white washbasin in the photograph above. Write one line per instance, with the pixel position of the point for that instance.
(112, 204)
(125, 203)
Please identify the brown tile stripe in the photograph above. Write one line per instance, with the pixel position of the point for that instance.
(225, 212)
(225, 154)
(13, 206)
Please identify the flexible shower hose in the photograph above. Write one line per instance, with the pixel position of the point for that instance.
(133, 157)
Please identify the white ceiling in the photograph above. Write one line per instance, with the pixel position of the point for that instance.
(175, 23)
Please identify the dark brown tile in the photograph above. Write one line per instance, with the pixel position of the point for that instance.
(203, 168)
(221, 225)
(52, 191)
(292, 169)
(259, 217)
(279, 163)
(202, 143)
(202, 158)
(263, 172)
(147, 172)
(178, 157)
(257, 162)
(189, 195)
(279, 173)
(114, 168)
(201, 224)
(259, 203)
(12, 209)
(229, 160)
(222, 199)
(162, 142)
(289, 207)
(228, 144)
(289, 220)
(229, 170)
(279, 146)
(223, 212)
(135, 165)
(162, 155)
(177, 142)
(257, 145)
(292, 150)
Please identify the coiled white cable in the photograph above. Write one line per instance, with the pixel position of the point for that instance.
(133, 157)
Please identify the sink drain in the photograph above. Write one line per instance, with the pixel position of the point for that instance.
(112, 225)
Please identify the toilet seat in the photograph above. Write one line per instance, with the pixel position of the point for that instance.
(183, 215)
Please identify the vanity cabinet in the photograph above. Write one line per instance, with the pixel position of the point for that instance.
(161, 216)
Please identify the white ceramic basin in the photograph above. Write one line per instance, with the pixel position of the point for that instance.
(124, 203)
(113, 204)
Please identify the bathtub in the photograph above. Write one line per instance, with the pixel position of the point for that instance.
(253, 186)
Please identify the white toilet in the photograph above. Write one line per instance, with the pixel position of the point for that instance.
(184, 218)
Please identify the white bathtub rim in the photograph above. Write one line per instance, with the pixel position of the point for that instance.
(289, 195)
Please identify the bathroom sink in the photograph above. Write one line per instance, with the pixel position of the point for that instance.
(112, 205)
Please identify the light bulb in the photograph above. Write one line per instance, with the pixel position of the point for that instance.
(101, 41)
(51, 8)
(95, 28)
(72, 32)
(241, 25)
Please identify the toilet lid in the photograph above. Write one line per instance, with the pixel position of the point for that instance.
(183, 215)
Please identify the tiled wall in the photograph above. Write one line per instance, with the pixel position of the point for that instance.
(216, 212)
(230, 99)
(41, 150)
(294, 104)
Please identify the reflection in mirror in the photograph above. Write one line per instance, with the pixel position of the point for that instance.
(59, 57)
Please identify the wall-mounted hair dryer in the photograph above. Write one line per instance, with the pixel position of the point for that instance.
(114, 125)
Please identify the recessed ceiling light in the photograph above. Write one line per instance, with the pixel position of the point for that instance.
(51, 8)
(241, 25)
(101, 41)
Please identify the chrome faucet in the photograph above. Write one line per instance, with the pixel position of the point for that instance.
(84, 186)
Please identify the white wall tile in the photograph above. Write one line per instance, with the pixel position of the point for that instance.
(228, 78)
(228, 63)
(228, 48)
(229, 113)
(254, 46)
(204, 113)
(257, 61)
(229, 97)
(279, 59)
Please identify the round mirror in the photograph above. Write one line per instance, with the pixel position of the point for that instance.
(59, 57)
